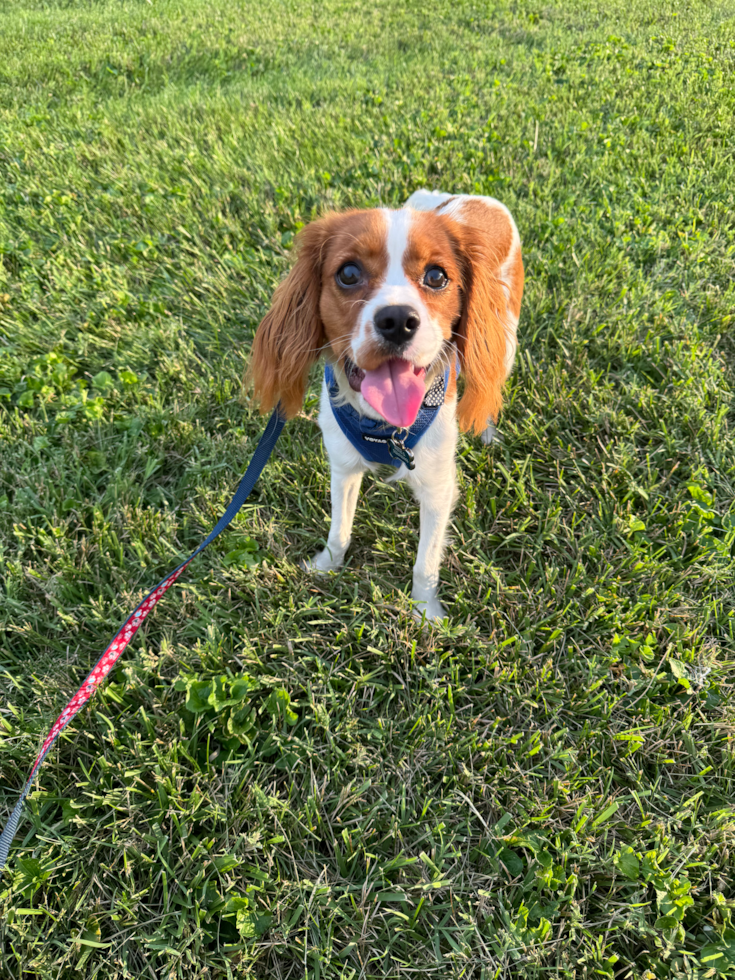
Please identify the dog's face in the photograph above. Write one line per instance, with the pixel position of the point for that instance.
(385, 295)
(390, 297)
(390, 288)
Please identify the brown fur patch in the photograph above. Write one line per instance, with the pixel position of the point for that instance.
(516, 284)
(452, 386)
(494, 224)
(430, 242)
(484, 239)
(445, 204)
(309, 310)
(360, 238)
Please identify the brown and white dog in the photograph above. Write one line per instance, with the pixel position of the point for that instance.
(393, 298)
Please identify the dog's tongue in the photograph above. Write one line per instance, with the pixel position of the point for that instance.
(395, 390)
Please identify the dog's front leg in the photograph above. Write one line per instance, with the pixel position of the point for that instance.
(436, 502)
(434, 484)
(345, 491)
(347, 468)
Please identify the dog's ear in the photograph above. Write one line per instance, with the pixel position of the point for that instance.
(492, 286)
(291, 334)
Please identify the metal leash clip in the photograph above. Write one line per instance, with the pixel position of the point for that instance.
(399, 451)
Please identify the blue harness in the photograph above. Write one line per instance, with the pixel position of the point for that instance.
(372, 438)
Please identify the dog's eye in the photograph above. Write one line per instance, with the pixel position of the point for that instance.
(435, 277)
(349, 274)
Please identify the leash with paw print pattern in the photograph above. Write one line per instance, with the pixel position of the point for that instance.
(134, 621)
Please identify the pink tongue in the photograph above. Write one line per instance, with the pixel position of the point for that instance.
(395, 390)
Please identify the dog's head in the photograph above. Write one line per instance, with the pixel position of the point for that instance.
(386, 296)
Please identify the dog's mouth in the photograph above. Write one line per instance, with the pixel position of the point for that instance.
(395, 389)
(354, 374)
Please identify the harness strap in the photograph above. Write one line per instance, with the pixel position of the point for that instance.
(132, 624)
(372, 438)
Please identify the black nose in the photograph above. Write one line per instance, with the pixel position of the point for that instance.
(397, 324)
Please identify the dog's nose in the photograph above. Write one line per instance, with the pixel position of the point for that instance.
(397, 324)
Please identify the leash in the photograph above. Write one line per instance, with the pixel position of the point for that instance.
(132, 624)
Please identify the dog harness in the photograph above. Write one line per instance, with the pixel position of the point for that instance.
(378, 441)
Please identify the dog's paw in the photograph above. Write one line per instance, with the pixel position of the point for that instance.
(428, 610)
(323, 563)
(490, 434)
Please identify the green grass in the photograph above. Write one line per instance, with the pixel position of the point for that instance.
(544, 787)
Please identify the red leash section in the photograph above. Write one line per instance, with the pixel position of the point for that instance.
(134, 621)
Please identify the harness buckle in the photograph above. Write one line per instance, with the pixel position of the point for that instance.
(399, 451)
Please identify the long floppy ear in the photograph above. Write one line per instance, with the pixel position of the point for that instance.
(490, 250)
(291, 335)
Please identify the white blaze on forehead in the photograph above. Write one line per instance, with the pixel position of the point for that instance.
(396, 287)
(399, 224)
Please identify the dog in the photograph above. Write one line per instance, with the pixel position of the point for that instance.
(403, 303)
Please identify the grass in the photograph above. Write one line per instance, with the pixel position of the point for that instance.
(285, 778)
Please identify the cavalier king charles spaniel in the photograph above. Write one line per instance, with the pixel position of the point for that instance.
(406, 305)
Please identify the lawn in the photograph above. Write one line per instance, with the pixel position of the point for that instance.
(286, 778)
